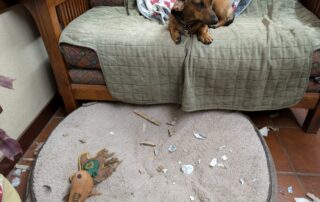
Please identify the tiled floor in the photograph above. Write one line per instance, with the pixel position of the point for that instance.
(296, 154)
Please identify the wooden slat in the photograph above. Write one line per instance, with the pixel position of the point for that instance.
(309, 101)
(91, 92)
(68, 10)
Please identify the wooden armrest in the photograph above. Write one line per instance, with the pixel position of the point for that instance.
(312, 5)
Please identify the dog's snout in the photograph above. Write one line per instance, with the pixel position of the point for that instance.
(214, 20)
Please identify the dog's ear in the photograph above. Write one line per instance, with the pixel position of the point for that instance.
(179, 5)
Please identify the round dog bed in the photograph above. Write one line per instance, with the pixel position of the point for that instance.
(244, 170)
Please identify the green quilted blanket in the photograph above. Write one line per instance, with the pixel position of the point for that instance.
(261, 62)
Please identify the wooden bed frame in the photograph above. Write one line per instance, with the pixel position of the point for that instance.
(51, 16)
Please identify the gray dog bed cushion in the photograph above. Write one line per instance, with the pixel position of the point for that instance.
(117, 128)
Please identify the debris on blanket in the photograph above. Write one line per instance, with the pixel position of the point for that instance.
(192, 198)
(264, 131)
(162, 169)
(156, 152)
(274, 115)
(222, 147)
(171, 131)
(172, 148)
(213, 162)
(301, 200)
(148, 118)
(22, 167)
(87, 104)
(147, 143)
(187, 169)
(199, 136)
(224, 157)
(82, 141)
(290, 190)
(15, 182)
(241, 181)
(38, 147)
(313, 197)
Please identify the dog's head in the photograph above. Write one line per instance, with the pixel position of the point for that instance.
(191, 11)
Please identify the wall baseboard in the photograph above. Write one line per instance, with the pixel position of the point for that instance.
(32, 132)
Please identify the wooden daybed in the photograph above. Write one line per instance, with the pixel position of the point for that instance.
(51, 16)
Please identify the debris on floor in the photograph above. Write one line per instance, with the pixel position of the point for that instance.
(213, 162)
(254, 179)
(199, 161)
(241, 181)
(147, 143)
(28, 159)
(162, 169)
(171, 131)
(187, 169)
(192, 198)
(15, 182)
(111, 133)
(38, 147)
(313, 197)
(88, 104)
(156, 152)
(82, 141)
(65, 135)
(224, 157)
(290, 190)
(264, 131)
(221, 165)
(275, 115)
(17, 172)
(222, 147)
(22, 167)
(47, 188)
(172, 123)
(172, 148)
(301, 200)
(144, 128)
(199, 136)
(148, 118)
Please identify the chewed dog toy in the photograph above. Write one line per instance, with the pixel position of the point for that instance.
(91, 172)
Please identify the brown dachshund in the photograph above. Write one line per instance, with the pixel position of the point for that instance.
(195, 17)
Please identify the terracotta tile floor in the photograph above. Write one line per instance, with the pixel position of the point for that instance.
(295, 153)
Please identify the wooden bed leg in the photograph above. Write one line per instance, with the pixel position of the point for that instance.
(312, 122)
(45, 16)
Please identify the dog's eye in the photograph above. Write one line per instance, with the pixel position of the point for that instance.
(200, 5)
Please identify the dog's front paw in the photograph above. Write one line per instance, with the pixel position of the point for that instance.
(176, 37)
(205, 38)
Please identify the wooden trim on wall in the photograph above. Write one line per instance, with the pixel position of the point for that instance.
(31, 133)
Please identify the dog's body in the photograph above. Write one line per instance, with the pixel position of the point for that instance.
(195, 17)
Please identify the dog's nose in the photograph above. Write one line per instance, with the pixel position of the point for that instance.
(214, 20)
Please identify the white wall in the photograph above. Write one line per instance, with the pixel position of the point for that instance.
(24, 58)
